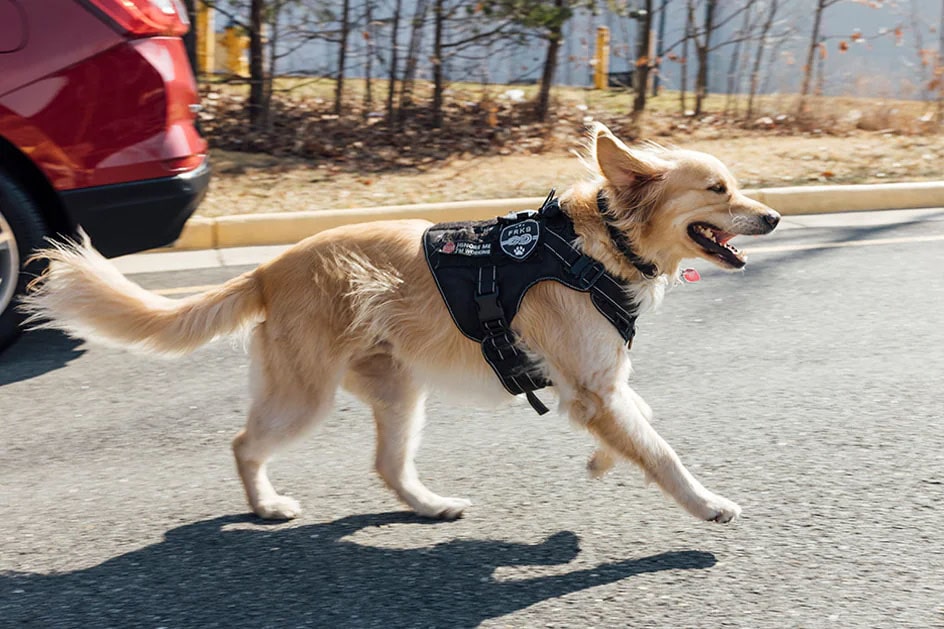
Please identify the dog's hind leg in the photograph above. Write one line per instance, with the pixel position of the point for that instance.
(282, 409)
(398, 405)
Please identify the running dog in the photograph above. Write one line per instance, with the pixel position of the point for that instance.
(357, 307)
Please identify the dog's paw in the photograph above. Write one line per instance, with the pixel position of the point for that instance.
(600, 463)
(444, 508)
(279, 508)
(719, 509)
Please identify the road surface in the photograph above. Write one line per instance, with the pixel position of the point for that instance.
(807, 388)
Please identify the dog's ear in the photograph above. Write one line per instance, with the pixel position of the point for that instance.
(621, 165)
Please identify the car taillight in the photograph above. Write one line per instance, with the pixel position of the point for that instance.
(145, 18)
(183, 164)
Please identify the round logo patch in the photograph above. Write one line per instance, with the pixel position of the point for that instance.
(519, 240)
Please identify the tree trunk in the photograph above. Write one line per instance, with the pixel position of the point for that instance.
(743, 64)
(394, 48)
(810, 56)
(758, 58)
(643, 59)
(369, 65)
(689, 28)
(275, 10)
(412, 57)
(660, 49)
(438, 65)
(342, 55)
(547, 76)
(190, 38)
(257, 112)
(703, 48)
(735, 63)
(820, 71)
(701, 78)
(554, 38)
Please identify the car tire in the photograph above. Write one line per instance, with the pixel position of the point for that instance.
(22, 230)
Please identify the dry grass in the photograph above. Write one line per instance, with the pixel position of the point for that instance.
(250, 183)
(840, 140)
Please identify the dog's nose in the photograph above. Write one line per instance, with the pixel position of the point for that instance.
(772, 219)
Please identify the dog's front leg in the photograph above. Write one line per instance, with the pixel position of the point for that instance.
(603, 459)
(618, 418)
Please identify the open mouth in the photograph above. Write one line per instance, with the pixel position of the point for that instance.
(714, 242)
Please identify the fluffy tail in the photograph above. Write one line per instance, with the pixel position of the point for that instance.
(84, 295)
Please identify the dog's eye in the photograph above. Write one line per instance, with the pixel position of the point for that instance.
(718, 188)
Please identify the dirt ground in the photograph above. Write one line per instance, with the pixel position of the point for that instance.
(255, 183)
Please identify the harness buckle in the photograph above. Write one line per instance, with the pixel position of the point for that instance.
(587, 270)
(490, 309)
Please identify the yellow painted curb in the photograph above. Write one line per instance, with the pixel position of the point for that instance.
(289, 227)
(198, 233)
(828, 199)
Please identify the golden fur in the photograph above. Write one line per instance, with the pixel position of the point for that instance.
(357, 307)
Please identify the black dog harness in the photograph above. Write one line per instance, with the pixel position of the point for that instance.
(484, 268)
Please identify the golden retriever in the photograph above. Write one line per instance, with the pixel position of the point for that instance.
(357, 307)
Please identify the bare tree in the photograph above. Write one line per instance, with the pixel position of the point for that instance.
(257, 112)
(643, 57)
(741, 36)
(439, 13)
(759, 55)
(702, 48)
(689, 31)
(821, 6)
(554, 36)
(660, 47)
(394, 48)
(274, 12)
(700, 36)
(369, 61)
(412, 58)
(487, 24)
(190, 37)
(342, 54)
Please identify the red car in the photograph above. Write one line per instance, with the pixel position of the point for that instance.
(98, 107)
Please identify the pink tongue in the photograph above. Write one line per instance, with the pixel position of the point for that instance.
(723, 237)
(691, 275)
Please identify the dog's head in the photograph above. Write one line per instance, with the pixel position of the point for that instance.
(675, 204)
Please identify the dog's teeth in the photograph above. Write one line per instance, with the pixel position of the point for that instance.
(707, 233)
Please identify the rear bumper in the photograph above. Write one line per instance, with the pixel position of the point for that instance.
(128, 217)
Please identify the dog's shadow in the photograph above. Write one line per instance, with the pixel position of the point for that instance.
(204, 575)
(36, 353)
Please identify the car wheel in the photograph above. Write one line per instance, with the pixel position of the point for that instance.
(21, 231)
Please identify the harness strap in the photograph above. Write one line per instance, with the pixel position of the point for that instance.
(499, 345)
(606, 292)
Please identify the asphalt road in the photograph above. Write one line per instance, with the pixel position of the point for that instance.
(808, 389)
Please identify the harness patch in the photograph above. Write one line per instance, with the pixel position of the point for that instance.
(519, 240)
(466, 248)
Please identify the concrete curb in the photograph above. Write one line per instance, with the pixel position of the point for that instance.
(290, 227)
